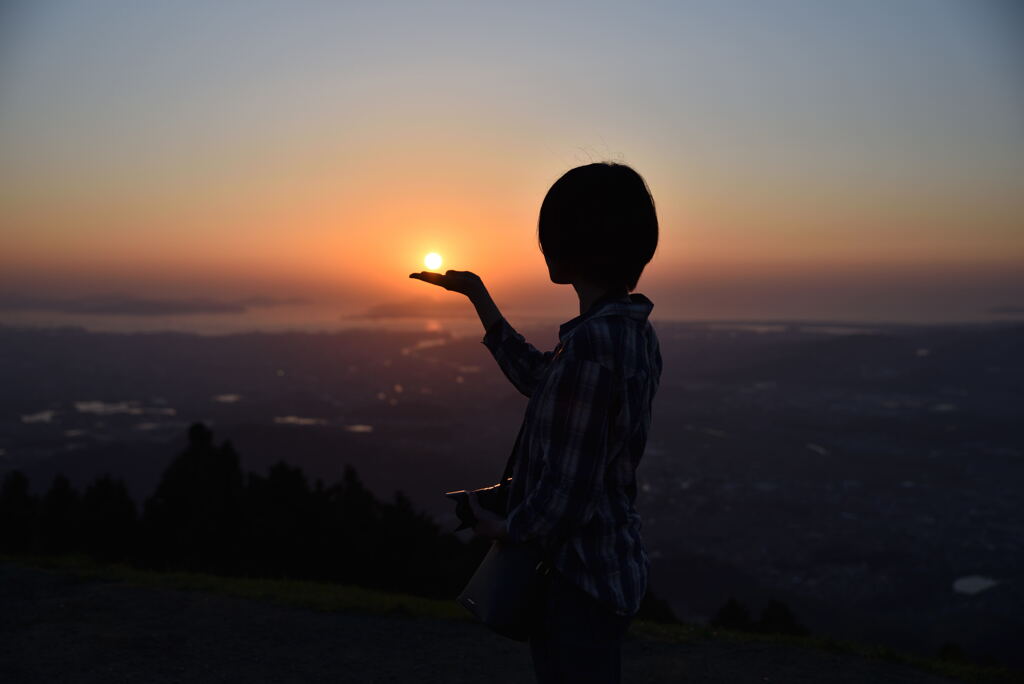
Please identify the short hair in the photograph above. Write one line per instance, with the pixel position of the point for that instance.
(599, 221)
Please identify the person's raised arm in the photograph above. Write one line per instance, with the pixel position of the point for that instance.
(521, 362)
(469, 284)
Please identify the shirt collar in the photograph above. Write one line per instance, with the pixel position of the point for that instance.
(635, 306)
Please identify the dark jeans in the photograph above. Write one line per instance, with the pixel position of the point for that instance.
(576, 639)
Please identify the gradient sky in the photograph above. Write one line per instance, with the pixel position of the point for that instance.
(821, 159)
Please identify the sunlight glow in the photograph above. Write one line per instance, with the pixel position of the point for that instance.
(432, 261)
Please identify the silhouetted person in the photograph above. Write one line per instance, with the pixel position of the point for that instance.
(574, 482)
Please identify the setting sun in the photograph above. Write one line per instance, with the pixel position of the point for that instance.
(432, 261)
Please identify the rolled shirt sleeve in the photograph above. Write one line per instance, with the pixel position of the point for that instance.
(574, 424)
(521, 362)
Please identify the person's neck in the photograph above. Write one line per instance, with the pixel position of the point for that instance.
(590, 293)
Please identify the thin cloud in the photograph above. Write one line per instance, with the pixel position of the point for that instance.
(126, 305)
(418, 309)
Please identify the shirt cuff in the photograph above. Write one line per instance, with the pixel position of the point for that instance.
(517, 528)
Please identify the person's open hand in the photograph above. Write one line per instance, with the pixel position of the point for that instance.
(465, 282)
(489, 525)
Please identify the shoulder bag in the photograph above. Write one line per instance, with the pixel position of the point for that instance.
(506, 591)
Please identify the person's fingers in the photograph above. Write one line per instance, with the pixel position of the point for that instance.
(456, 281)
(428, 277)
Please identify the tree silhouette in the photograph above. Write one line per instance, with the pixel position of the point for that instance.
(17, 513)
(733, 615)
(656, 609)
(109, 519)
(777, 618)
(58, 522)
(195, 516)
(205, 516)
(280, 522)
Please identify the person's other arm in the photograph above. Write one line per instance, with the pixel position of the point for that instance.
(575, 424)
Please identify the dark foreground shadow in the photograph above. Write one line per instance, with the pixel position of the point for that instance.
(60, 627)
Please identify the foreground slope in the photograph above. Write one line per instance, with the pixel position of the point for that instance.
(58, 625)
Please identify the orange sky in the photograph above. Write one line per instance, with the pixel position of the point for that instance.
(151, 160)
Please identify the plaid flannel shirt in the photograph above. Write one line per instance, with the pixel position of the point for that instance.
(574, 480)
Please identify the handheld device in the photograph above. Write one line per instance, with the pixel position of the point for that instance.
(491, 498)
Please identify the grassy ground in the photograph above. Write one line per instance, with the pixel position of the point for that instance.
(328, 597)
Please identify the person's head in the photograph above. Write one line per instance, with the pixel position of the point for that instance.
(598, 224)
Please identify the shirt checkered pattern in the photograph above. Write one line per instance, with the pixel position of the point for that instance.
(574, 480)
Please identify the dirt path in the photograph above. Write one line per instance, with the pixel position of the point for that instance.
(58, 627)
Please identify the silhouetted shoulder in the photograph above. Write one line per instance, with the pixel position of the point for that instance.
(619, 343)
